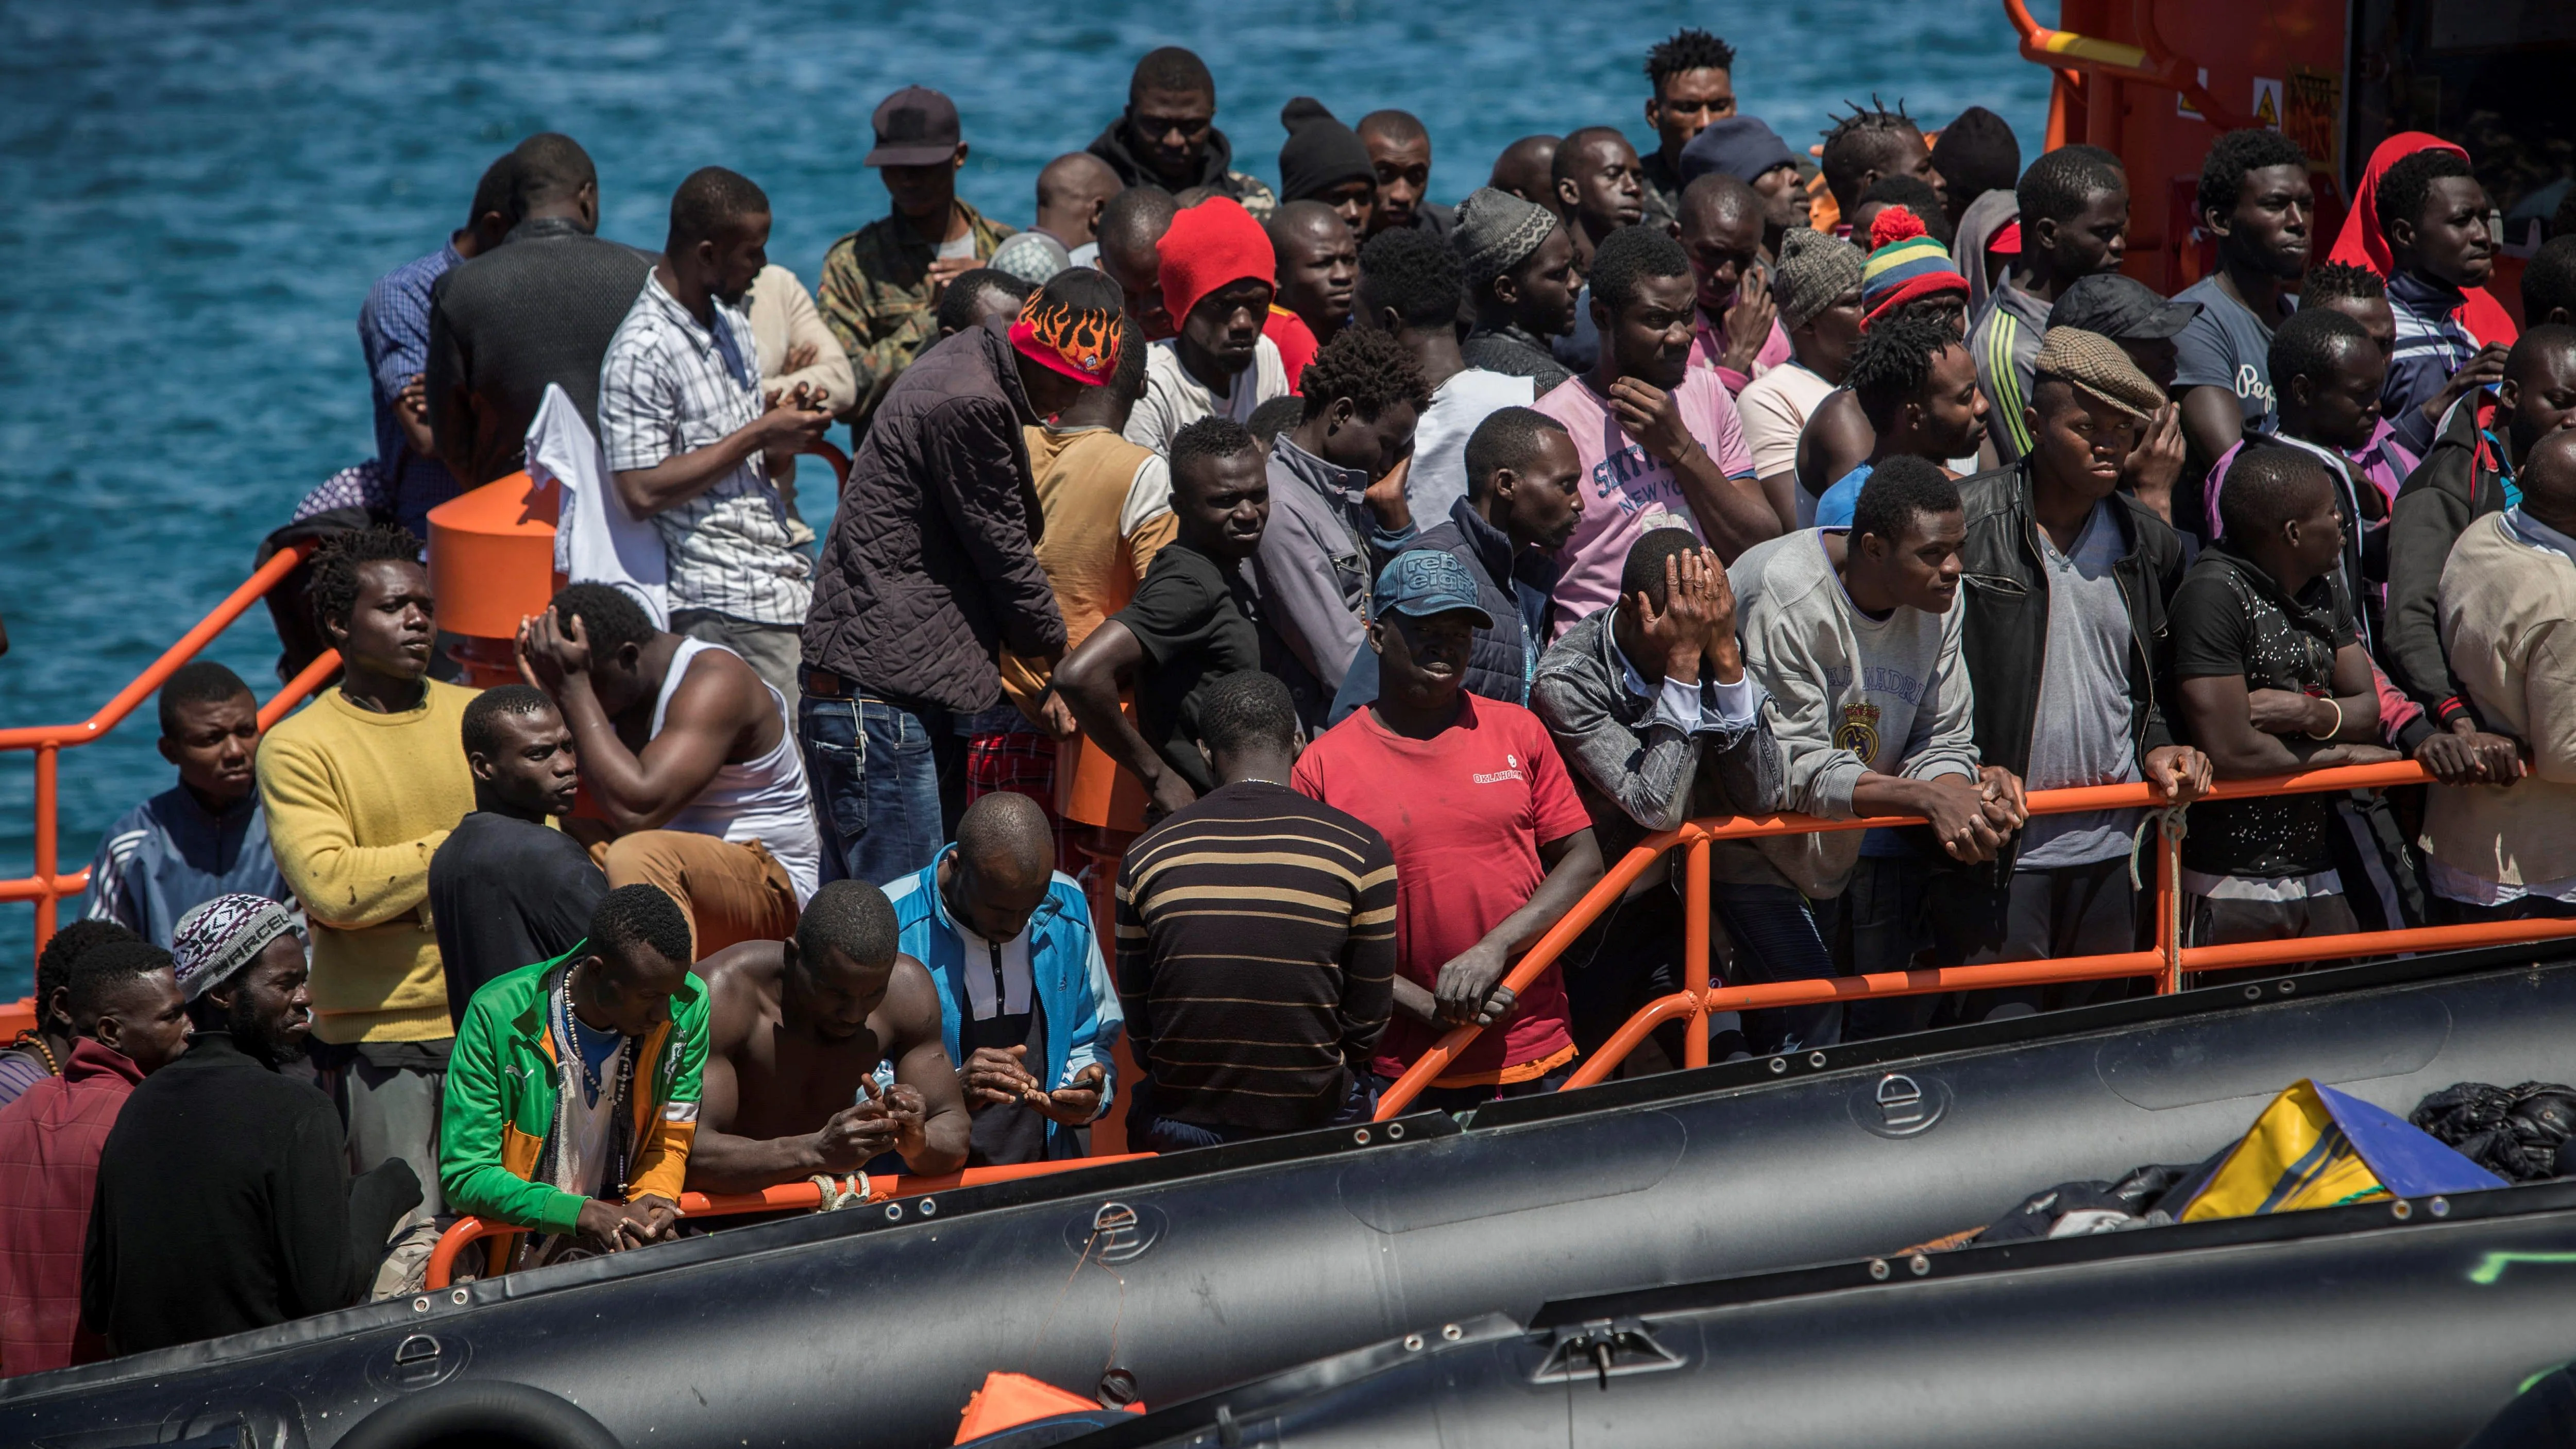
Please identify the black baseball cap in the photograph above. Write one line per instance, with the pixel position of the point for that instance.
(2123, 309)
(916, 126)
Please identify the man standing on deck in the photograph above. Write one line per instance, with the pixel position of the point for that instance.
(2256, 199)
(361, 787)
(1400, 148)
(881, 281)
(203, 837)
(1218, 276)
(691, 443)
(1693, 75)
(538, 310)
(2074, 222)
(1167, 136)
(823, 1054)
(393, 331)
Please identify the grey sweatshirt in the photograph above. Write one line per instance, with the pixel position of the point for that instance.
(1848, 694)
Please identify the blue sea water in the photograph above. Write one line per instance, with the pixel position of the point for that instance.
(197, 196)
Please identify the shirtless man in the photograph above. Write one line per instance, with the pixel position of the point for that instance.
(796, 1030)
(688, 755)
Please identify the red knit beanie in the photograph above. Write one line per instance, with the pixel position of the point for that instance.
(1209, 247)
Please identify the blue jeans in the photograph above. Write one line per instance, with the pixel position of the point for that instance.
(1776, 940)
(880, 774)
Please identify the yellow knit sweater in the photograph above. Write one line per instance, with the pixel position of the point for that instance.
(357, 803)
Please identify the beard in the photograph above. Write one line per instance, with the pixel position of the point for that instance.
(260, 1039)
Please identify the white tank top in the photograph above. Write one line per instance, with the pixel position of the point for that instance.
(763, 799)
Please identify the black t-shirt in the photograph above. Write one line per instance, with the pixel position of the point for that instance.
(1006, 1133)
(1191, 617)
(2230, 618)
(505, 893)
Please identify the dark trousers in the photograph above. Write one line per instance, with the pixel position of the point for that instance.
(1151, 1132)
(1776, 940)
(1468, 1099)
(2037, 915)
(1629, 957)
(2217, 921)
(889, 781)
(1875, 926)
(2530, 908)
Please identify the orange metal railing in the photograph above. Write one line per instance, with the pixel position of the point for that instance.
(786, 1197)
(48, 885)
(2168, 961)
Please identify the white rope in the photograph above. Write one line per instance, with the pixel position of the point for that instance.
(839, 1193)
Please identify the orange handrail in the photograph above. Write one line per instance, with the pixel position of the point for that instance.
(2168, 961)
(784, 1197)
(2151, 63)
(48, 885)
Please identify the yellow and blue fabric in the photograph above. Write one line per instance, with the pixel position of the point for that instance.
(2315, 1147)
(1906, 264)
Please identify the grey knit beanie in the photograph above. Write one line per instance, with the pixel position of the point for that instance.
(1813, 270)
(1496, 232)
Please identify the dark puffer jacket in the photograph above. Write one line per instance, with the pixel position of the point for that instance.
(931, 565)
(1513, 585)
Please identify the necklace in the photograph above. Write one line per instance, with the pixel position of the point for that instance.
(593, 1079)
(30, 1039)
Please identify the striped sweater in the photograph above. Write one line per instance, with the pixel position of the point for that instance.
(1256, 956)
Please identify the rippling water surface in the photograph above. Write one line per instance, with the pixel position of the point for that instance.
(197, 197)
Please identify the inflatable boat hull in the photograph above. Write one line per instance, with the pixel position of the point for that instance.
(1206, 1269)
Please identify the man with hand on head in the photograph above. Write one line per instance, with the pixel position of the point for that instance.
(1026, 1007)
(691, 760)
(824, 1054)
(881, 281)
(1519, 261)
(508, 886)
(1859, 647)
(574, 1096)
(1245, 1034)
(129, 1022)
(2148, 330)
(690, 440)
(1491, 844)
(276, 1228)
(1649, 703)
(1190, 623)
(1218, 278)
(1737, 329)
(1658, 438)
(205, 836)
(2067, 647)
(1319, 265)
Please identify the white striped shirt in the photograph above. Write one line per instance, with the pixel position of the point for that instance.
(669, 386)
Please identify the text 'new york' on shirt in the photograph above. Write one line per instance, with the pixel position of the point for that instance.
(1465, 812)
(1628, 491)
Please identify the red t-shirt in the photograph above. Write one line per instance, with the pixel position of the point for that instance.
(1296, 343)
(1466, 812)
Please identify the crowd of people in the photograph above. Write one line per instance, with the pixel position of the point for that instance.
(1414, 562)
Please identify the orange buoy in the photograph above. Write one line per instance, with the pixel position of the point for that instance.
(1009, 1400)
(491, 564)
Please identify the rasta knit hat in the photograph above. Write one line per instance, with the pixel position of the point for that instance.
(1321, 153)
(2096, 367)
(1496, 232)
(1906, 262)
(1209, 247)
(1813, 270)
(216, 940)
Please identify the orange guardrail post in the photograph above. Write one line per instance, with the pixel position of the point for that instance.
(1695, 949)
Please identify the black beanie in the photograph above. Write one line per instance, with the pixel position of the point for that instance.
(1321, 153)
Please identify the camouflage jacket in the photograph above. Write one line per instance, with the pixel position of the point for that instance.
(876, 299)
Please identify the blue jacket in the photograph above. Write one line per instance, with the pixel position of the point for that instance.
(1066, 973)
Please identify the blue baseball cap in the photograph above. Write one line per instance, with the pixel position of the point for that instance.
(1428, 581)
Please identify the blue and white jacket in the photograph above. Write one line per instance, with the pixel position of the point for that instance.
(1067, 975)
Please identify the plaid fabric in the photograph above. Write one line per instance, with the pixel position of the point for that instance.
(1022, 762)
(670, 386)
(49, 1145)
(393, 332)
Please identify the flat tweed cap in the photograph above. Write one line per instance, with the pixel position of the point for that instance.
(2097, 367)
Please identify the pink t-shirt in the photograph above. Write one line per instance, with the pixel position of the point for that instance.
(1708, 344)
(1627, 490)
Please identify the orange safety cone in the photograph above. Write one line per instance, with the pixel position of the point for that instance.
(1009, 1400)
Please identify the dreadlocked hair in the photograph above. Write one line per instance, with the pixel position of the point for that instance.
(1893, 362)
(337, 561)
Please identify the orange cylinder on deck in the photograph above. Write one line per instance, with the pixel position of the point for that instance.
(491, 564)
